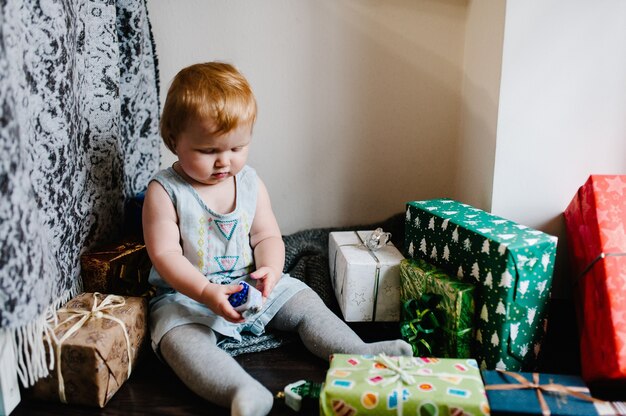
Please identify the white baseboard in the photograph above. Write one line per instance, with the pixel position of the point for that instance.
(9, 388)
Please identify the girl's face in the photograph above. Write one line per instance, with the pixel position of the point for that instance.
(208, 158)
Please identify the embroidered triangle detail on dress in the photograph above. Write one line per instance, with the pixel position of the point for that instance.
(227, 228)
(226, 263)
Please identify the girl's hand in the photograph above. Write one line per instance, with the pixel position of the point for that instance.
(266, 278)
(215, 297)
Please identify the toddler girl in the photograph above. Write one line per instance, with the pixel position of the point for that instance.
(208, 225)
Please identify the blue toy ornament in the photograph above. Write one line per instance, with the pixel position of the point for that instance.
(247, 301)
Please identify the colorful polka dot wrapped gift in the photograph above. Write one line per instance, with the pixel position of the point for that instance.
(383, 385)
(509, 264)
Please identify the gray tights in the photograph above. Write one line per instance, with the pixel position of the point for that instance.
(192, 353)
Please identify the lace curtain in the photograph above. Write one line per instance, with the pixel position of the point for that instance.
(78, 135)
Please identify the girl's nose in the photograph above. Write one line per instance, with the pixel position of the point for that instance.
(221, 160)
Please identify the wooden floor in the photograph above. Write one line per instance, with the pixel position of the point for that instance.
(153, 389)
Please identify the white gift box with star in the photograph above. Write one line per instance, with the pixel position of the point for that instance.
(366, 280)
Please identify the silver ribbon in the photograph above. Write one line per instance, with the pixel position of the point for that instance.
(376, 240)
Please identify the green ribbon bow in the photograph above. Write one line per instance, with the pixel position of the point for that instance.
(424, 325)
(421, 325)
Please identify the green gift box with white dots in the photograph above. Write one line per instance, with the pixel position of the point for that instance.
(511, 266)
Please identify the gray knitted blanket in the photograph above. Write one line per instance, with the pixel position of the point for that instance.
(306, 258)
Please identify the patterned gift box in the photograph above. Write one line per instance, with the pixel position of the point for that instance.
(121, 269)
(437, 311)
(366, 282)
(510, 264)
(95, 345)
(382, 385)
(538, 394)
(595, 220)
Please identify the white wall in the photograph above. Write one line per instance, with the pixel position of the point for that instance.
(366, 104)
(359, 99)
(562, 113)
(484, 31)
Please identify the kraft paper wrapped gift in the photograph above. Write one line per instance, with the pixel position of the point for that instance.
(596, 229)
(437, 311)
(382, 385)
(510, 265)
(366, 282)
(520, 394)
(120, 269)
(95, 345)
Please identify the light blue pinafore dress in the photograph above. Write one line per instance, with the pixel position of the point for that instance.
(219, 246)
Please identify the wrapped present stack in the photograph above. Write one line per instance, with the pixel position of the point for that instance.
(511, 266)
(437, 311)
(95, 343)
(382, 385)
(365, 274)
(596, 224)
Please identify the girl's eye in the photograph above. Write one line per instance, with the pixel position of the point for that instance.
(207, 151)
(237, 149)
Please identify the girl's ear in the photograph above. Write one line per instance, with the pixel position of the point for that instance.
(173, 142)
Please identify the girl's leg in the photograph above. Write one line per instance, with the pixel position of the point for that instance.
(191, 351)
(323, 333)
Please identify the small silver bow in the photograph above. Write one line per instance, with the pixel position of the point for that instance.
(377, 239)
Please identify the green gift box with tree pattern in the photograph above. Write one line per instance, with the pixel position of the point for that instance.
(510, 265)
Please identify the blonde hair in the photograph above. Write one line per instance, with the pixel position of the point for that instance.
(214, 90)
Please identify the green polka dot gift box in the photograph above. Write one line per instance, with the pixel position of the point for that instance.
(510, 264)
(383, 385)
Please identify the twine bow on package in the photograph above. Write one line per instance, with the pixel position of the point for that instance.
(94, 345)
(512, 393)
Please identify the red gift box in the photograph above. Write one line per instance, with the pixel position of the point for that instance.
(595, 221)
